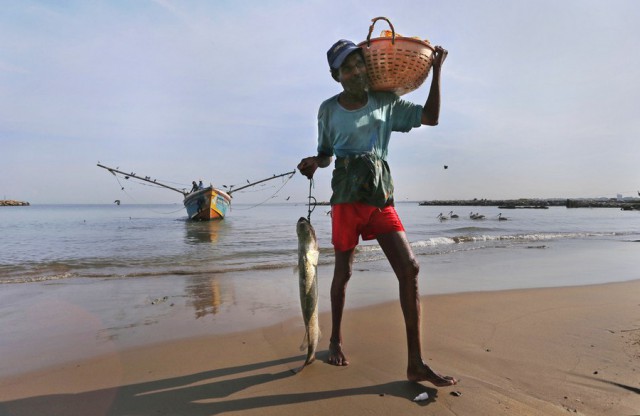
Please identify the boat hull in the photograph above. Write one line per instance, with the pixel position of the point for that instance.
(207, 204)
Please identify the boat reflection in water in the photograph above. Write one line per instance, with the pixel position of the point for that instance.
(203, 231)
(207, 296)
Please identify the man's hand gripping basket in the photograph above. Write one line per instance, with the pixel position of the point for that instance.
(396, 64)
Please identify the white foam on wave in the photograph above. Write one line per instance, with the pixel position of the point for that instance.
(434, 242)
(34, 279)
(445, 241)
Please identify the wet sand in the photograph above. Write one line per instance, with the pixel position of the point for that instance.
(555, 351)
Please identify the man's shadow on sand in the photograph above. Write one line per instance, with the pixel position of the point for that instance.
(196, 394)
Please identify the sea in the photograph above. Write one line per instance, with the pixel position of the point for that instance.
(59, 243)
(144, 273)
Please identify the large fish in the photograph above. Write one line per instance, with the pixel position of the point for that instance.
(308, 279)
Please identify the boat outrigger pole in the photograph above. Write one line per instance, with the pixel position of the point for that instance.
(183, 192)
(147, 179)
(260, 181)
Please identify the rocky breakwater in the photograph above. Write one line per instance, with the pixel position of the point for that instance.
(13, 203)
(625, 204)
(508, 203)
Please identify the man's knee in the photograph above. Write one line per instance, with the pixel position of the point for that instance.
(341, 276)
(411, 268)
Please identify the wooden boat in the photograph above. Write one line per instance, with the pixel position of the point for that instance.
(204, 204)
(207, 204)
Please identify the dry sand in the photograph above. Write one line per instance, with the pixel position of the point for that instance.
(552, 351)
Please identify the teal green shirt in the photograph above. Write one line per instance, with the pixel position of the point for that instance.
(360, 139)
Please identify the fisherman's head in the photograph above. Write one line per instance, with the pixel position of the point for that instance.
(345, 60)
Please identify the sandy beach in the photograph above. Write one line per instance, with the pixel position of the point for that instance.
(555, 351)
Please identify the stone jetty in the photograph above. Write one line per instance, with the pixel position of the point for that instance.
(13, 203)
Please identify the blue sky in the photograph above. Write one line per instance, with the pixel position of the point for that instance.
(539, 98)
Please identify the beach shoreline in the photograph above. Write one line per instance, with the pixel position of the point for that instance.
(39, 319)
(526, 351)
(533, 327)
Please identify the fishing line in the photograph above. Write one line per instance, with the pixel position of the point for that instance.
(271, 197)
(311, 197)
(262, 189)
(122, 188)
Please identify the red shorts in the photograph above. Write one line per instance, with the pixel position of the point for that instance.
(353, 220)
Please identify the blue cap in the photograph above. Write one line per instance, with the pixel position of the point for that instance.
(339, 52)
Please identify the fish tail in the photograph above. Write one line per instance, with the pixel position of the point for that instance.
(305, 341)
(311, 353)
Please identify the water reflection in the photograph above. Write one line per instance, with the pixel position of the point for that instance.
(207, 296)
(203, 231)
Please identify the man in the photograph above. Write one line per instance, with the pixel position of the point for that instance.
(356, 126)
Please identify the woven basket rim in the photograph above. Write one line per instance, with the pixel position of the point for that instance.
(363, 44)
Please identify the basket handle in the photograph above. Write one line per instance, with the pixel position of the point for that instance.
(374, 20)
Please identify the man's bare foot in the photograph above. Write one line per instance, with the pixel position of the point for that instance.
(336, 356)
(425, 373)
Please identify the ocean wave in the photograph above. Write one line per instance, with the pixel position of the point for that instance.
(270, 259)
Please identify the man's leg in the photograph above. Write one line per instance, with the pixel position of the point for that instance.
(341, 276)
(398, 251)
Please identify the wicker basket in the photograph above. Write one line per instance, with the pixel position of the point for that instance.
(396, 64)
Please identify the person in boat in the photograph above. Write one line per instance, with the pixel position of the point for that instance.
(194, 186)
(355, 126)
(200, 185)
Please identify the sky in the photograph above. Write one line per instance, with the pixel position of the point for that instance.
(539, 97)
